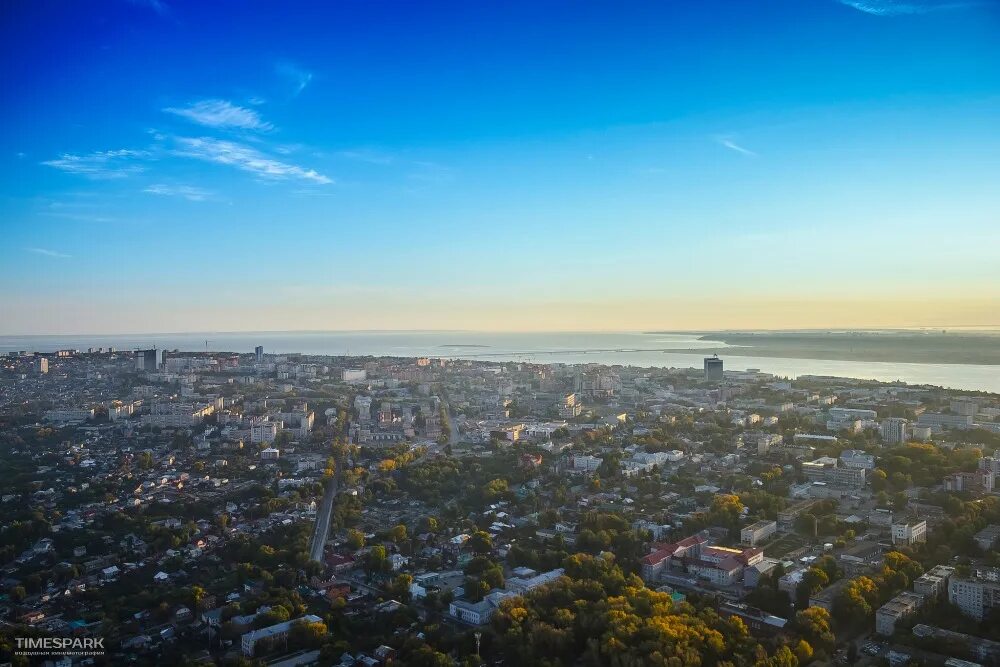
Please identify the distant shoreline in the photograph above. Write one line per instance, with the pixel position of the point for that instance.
(982, 349)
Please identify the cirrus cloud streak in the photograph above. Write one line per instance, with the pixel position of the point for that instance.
(100, 164)
(245, 158)
(222, 114)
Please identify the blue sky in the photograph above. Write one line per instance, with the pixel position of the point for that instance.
(189, 166)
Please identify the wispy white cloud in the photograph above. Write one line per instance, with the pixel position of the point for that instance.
(298, 77)
(246, 158)
(49, 253)
(189, 192)
(898, 8)
(222, 114)
(101, 164)
(729, 143)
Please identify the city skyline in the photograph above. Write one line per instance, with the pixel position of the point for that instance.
(175, 167)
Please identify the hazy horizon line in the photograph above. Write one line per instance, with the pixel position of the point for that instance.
(650, 331)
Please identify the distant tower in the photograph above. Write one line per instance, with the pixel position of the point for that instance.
(259, 352)
(146, 360)
(713, 368)
(41, 365)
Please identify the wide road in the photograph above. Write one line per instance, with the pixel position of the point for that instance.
(322, 529)
(454, 436)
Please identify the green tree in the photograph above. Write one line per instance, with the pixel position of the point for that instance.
(480, 542)
(398, 534)
(355, 538)
(376, 561)
(813, 625)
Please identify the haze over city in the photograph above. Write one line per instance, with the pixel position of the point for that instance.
(371, 333)
(532, 166)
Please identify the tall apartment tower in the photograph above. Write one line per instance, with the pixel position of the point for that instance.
(894, 430)
(713, 368)
(41, 365)
(259, 353)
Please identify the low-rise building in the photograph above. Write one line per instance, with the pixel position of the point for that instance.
(986, 650)
(826, 469)
(987, 538)
(857, 458)
(757, 532)
(787, 516)
(274, 632)
(521, 585)
(653, 565)
(478, 613)
(825, 597)
(978, 481)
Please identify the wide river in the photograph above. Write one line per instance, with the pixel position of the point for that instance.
(632, 349)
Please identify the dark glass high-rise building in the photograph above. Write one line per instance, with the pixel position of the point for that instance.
(146, 360)
(713, 368)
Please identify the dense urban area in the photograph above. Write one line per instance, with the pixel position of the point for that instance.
(188, 508)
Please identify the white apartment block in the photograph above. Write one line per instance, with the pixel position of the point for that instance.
(363, 404)
(69, 415)
(354, 375)
(177, 415)
(938, 422)
(933, 584)
(967, 408)
(299, 423)
(587, 463)
(571, 407)
(850, 414)
(976, 595)
(909, 534)
(264, 432)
